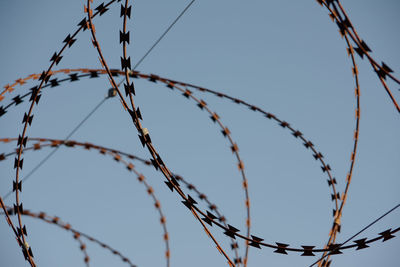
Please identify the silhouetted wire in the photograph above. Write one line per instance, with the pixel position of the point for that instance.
(165, 32)
(365, 228)
(157, 162)
(102, 101)
(56, 149)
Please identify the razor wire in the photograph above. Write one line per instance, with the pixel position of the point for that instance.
(205, 217)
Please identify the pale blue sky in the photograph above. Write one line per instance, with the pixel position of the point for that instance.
(286, 57)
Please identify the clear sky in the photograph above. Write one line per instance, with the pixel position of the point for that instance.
(286, 57)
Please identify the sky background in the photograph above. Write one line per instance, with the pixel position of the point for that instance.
(285, 57)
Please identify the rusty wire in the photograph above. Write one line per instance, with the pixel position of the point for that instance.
(174, 84)
(76, 235)
(186, 93)
(119, 157)
(353, 44)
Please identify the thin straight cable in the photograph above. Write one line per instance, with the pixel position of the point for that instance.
(162, 36)
(55, 149)
(365, 228)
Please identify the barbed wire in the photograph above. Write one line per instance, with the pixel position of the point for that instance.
(76, 234)
(205, 217)
(210, 218)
